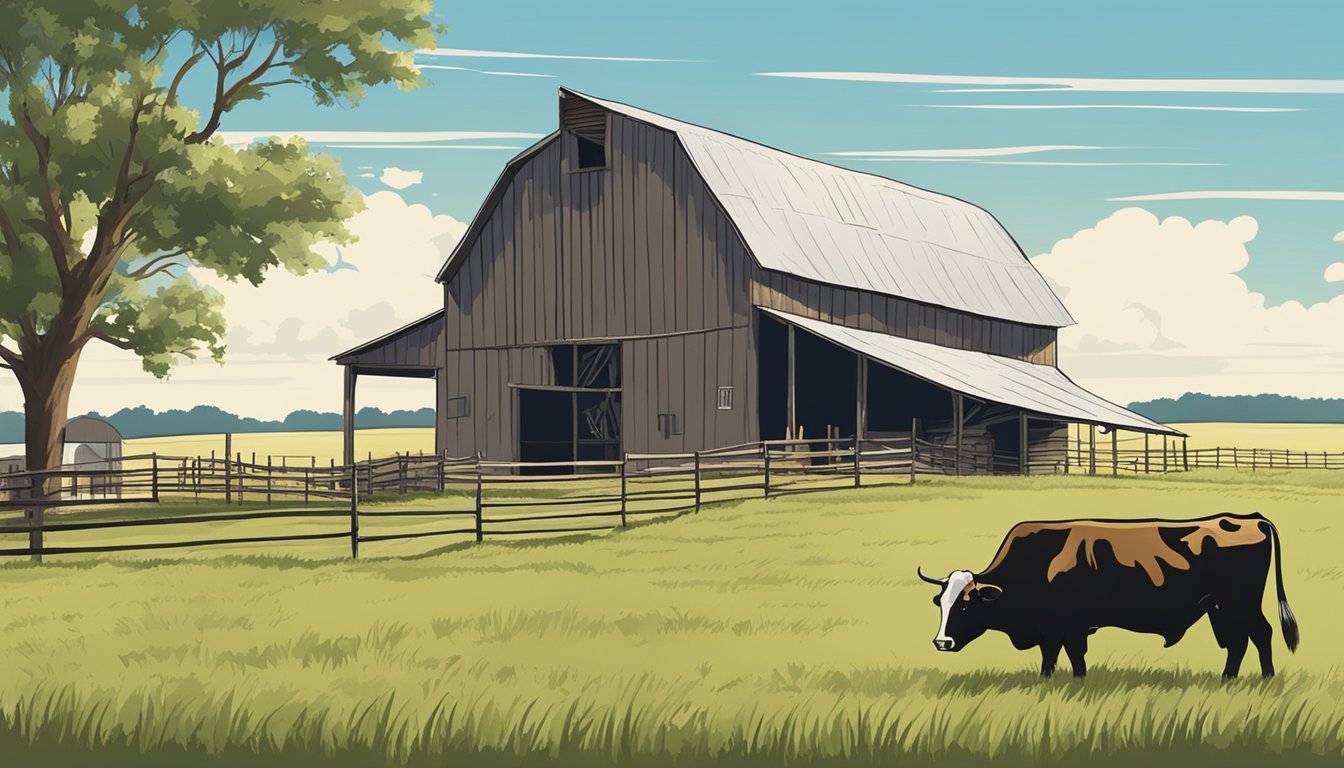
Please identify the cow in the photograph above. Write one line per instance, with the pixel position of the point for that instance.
(1054, 583)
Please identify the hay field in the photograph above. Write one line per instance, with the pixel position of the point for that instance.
(757, 633)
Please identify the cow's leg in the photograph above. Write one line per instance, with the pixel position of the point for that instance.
(1230, 631)
(1076, 647)
(1262, 634)
(1049, 656)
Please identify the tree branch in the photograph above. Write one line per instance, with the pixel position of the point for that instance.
(94, 333)
(12, 358)
(57, 238)
(143, 271)
(187, 66)
(224, 98)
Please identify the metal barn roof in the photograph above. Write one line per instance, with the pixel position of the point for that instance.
(859, 230)
(1040, 389)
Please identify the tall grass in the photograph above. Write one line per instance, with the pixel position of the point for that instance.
(787, 632)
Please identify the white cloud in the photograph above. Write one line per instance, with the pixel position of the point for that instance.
(239, 138)
(1178, 107)
(282, 332)
(481, 71)
(398, 178)
(473, 54)
(969, 152)
(1047, 162)
(1228, 194)
(1093, 84)
(1339, 237)
(1335, 272)
(1161, 311)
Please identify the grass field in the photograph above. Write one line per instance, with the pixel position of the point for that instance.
(298, 446)
(759, 632)
(1296, 437)
(326, 446)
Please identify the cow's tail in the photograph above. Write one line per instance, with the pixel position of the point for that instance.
(1286, 618)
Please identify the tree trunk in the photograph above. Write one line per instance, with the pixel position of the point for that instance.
(46, 377)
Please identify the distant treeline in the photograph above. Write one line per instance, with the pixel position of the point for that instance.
(1195, 406)
(207, 419)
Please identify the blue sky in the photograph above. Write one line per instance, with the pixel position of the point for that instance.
(726, 45)
(1045, 113)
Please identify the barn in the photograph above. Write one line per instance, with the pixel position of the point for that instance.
(634, 283)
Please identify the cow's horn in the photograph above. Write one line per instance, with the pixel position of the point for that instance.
(922, 577)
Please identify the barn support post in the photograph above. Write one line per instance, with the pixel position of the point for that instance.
(348, 424)
(957, 409)
(861, 399)
(1115, 452)
(1185, 455)
(792, 407)
(1164, 454)
(1145, 452)
(354, 512)
(1091, 449)
(1023, 462)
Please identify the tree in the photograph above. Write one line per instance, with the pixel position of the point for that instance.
(112, 186)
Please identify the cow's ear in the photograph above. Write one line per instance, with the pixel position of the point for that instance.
(988, 592)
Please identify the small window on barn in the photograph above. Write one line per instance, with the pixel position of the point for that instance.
(725, 398)
(668, 425)
(457, 407)
(591, 154)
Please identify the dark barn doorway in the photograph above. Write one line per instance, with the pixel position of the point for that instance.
(545, 429)
(825, 375)
(578, 418)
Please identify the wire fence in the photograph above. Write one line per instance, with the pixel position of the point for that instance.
(145, 502)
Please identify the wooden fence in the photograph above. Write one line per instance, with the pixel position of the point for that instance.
(475, 499)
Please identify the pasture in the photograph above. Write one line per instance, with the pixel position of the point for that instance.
(298, 447)
(1295, 437)
(756, 632)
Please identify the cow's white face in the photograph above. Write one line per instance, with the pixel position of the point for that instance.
(953, 592)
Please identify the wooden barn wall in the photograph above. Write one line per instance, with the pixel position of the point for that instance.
(637, 249)
(418, 347)
(672, 374)
(901, 317)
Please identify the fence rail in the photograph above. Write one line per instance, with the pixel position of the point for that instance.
(477, 499)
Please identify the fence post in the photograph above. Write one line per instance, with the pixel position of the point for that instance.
(765, 453)
(625, 459)
(401, 472)
(1218, 457)
(354, 512)
(270, 477)
(305, 485)
(697, 481)
(914, 432)
(480, 481)
(241, 475)
(858, 482)
(439, 468)
(368, 476)
(154, 476)
(228, 470)
(1253, 458)
(1185, 454)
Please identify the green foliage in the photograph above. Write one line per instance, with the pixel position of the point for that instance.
(1197, 407)
(787, 632)
(112, 189)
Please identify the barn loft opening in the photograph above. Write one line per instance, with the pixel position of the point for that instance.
(586, 123)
